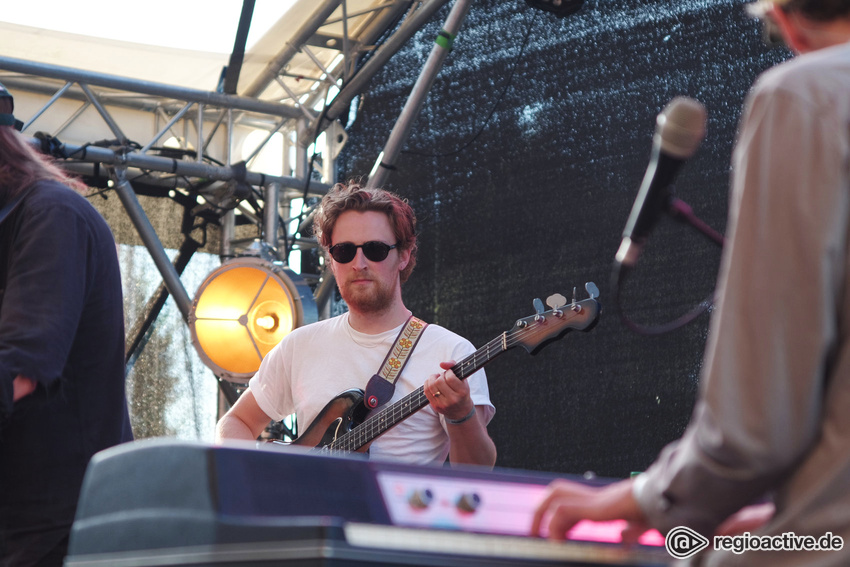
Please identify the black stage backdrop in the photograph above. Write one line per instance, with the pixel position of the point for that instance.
(523, 166)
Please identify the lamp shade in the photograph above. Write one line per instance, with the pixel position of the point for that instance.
(242, 310)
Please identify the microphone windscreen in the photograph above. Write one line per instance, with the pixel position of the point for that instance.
(681, 127)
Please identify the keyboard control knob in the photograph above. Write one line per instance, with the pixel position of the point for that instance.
(420, 498)
(468, 502)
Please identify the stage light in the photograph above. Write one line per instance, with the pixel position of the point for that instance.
(243, 309)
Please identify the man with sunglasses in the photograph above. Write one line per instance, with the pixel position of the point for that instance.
(772, 422)
(370, 237)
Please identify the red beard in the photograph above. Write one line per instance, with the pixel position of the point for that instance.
(369, 298)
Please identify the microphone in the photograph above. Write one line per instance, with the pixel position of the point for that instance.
(679, 130)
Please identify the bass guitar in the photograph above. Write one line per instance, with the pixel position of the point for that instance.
(346, 424)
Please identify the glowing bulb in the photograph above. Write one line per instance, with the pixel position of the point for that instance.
(269, 322)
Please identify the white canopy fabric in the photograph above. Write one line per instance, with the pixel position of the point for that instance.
(138, 41)
(181, 67)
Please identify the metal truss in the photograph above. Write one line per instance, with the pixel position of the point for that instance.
(112, 130)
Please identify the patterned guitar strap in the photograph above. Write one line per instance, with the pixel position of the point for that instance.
(381, 386)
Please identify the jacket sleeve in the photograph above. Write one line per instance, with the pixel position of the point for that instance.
(44, 292)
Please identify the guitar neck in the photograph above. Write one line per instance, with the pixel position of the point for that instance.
(382, 420)
(532, 333)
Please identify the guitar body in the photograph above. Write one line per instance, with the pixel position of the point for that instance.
(340, 415)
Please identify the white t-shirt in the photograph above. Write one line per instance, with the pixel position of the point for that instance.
(315, 363)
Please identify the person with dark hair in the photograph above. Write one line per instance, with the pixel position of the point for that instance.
(770, 432)
(369, 236)
(62, 396)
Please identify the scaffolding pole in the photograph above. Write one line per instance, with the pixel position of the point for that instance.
(401, 130)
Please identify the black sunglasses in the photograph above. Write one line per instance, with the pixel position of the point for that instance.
(376, 251)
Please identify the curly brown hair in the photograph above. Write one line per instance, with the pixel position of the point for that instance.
(352, 196)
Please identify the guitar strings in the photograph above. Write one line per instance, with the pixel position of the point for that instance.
(389, 416)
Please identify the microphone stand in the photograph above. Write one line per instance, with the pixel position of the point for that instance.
(682, 212)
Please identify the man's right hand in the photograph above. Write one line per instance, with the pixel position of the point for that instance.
(565, 503)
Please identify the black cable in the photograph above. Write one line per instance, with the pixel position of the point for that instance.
(681, 212)
(495, 105)
(618, 278)
(181, 153)
(288, 245)
(291, 244)
(99, 193)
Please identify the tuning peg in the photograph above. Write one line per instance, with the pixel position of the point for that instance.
(592, 290)
(556, 301)
(575, 306)
(539, 309)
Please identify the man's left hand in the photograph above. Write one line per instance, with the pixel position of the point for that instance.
(448, 394)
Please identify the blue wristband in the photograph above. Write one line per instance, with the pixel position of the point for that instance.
(461, 420)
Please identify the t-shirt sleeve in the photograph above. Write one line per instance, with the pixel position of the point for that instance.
(270, 385)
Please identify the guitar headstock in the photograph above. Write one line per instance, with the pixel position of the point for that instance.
(536, 331)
